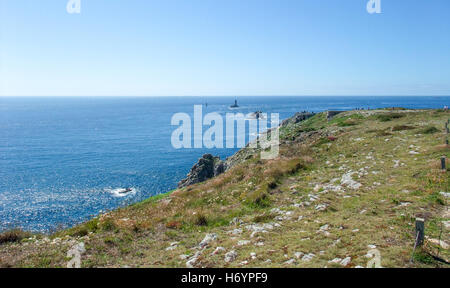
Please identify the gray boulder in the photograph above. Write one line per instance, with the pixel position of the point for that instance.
(206, 168)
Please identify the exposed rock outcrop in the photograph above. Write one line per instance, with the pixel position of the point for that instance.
(298, 117)
(331, 114)
(207, 167)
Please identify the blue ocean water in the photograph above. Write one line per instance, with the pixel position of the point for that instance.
(61, 159)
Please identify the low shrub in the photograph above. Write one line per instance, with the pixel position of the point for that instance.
(173, 224)
(402, 128)
(385, 117)
(429, 130)
(201, 220)
(14, 235)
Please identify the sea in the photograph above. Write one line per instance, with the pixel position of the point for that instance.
(66, 159)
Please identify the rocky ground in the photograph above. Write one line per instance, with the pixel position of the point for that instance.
(343, 193)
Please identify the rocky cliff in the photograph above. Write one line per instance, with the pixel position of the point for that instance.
(207, 167)
(210, 166)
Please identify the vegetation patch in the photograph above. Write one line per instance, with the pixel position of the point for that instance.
(323, 140)
(82, 229)
(429, 130)
(108, 224)
(347, 121)
(14, 235)
(262, 218)
(174, 224)
(423, 257)
(402, 127)
(385, 117)
(201, 220)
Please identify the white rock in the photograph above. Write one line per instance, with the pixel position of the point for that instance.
(243, 242)
(446, 224)
(336, 242)
(193, 260)
(290, 261)
(183, 256)
(236, 221)
(172, 246)
(348, 181)
(276, 210)
(396, 163)
(243, 263)
(346, 261)
(298, 254)
(208, 239)
(230, 256)
(445, 194)
(335, 260)
(324, 227)
(259, 228)
(308, 257)
(334, 180)
(236, 231)
(218, 250)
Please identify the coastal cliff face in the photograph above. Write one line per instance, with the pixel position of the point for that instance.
(340, 188)
(206, 168)
(209, 166)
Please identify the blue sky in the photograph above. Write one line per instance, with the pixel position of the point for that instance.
(224, 47)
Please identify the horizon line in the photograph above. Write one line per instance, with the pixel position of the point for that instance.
(161, 96)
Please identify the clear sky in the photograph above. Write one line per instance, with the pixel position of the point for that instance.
(224, 47)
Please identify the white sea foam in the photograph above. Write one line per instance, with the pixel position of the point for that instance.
(122, 192)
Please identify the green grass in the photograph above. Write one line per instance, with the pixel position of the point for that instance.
(346, 121)
(389, 116)
(429, 130)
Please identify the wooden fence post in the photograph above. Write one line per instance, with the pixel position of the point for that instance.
(420, 231)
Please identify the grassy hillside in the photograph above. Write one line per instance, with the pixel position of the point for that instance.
(339, 189)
